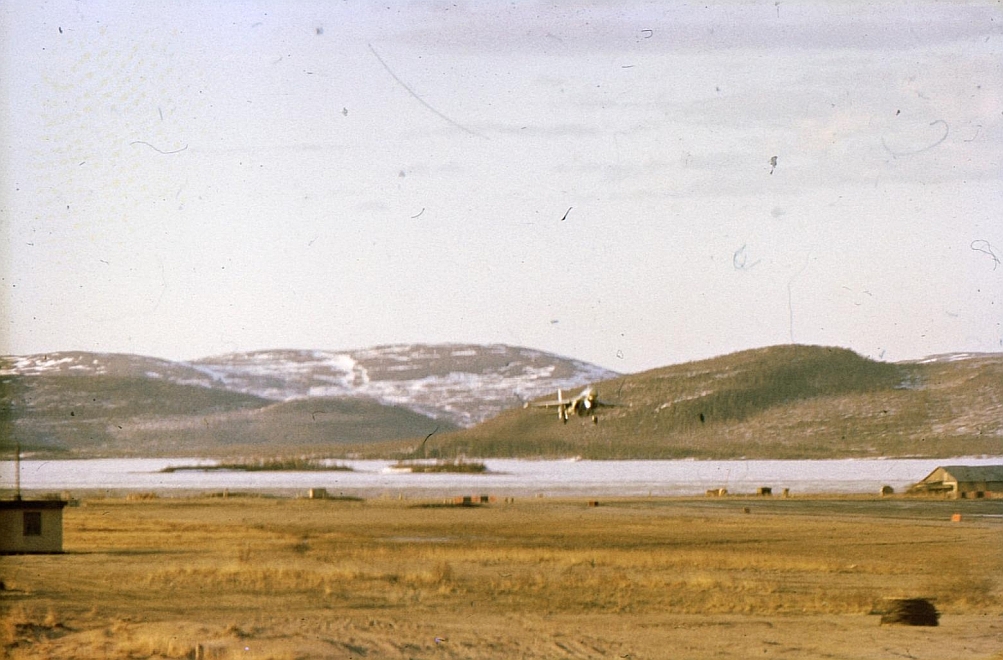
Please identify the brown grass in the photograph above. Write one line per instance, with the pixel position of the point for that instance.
(261, 578)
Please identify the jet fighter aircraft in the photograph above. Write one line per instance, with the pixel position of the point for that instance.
(585, 404)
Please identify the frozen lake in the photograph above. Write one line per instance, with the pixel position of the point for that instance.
(505, 477)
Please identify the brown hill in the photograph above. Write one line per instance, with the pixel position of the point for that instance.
(778, 402)
(89, 415)
(304, 425)
(106, 415)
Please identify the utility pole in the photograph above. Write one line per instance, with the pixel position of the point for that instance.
(17, 471)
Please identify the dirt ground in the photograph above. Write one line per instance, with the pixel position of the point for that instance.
(258, 577)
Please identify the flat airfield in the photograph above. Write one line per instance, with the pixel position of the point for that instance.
(736, 577)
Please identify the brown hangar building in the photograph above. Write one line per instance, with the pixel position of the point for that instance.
(963, 481)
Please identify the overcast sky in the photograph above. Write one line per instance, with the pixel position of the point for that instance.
(629, 183)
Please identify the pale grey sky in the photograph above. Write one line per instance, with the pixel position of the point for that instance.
(196, 178)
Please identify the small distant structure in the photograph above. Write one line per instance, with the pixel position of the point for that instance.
(473, 500)
(30, 526)
(962, 481)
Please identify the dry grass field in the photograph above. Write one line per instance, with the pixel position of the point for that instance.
(251, 577)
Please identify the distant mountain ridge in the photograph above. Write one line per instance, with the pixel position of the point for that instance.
(116, 402)
(788, 401)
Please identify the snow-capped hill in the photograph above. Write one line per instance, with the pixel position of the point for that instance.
(464, 384)
(122, 365)
(460, 383)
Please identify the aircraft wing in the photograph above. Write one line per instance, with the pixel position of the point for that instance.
(550, 404)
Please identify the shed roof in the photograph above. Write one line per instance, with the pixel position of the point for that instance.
(21, 505)
(970, 473)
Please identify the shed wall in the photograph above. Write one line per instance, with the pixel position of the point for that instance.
(978, 486)
(12, 527)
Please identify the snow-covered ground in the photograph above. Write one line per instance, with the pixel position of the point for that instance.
(504, 477)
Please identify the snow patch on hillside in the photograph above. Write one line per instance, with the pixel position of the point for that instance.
(463, 384)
